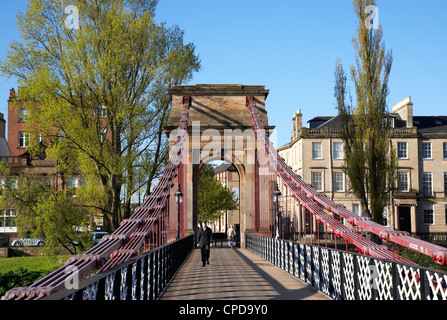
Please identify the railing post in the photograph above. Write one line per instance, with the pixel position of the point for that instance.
(330, 279)
(342, 278)
(395, 279)
(158, 274)
(291, 259)
(425, 287)
(125, 283)
(143, 274)
(136, 277)
(296, 260)
(356, 278)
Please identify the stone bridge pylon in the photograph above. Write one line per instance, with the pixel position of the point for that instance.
(220, 128)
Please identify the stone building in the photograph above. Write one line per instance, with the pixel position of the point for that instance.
(315, 152)
(229, 176)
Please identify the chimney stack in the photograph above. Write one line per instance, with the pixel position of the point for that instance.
(297, 124)
(12, 94)
(405, 110)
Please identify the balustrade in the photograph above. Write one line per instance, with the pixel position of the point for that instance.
(141, 278)
(349, 276)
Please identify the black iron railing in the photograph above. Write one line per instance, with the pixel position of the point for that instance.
(141, 278)
(349, 276)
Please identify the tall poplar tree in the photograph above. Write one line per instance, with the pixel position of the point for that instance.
(100, 72)
(369, 158)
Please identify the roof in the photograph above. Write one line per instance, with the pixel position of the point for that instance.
(318, 121)
(225, 167)
(433, 124)
(4, 148)
(425, 124)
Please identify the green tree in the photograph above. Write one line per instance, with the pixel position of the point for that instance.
(369, 158)
(101, 91)
(44, 211)
(214, 197)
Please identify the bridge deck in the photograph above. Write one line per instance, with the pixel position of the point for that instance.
(236, 274)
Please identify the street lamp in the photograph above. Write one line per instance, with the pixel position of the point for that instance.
(178, 200)
(276, 195)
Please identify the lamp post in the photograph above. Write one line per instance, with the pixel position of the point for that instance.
(178, 200)
(276, 195)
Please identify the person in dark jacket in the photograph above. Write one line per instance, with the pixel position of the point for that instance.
(204, 242)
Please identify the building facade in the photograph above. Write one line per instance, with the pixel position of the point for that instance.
(14, 151)
(420, 204)
(228, 175)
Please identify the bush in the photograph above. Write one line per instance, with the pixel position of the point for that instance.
(421, 259)
(20, 278)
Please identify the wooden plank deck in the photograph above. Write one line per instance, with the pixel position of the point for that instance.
(236, 274)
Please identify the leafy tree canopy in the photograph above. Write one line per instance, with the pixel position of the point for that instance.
(97, 94)
(214, 197)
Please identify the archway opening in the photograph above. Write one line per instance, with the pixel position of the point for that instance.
(221, 194)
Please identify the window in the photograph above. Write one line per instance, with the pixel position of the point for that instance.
(338, 182)
(402, 181)
(316, 150)
(445, 213)
(72, 182)
(103, 135)
(427, 184)
(402, 150)
(338, 150)
(428, 214)
(48, 182)
(385, 216)
(388, 121)
(426, 150)
(72, 185)
(22, 115)
(356, 208)
(102, 112)
(8, 221)
(317, 180)
(12, 183)
(445, 149)
(445, 184)
(61, 135)
(23, 140)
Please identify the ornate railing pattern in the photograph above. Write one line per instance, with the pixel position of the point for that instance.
(348, 276)
(141, 278)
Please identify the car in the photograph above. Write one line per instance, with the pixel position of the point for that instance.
(97, 236)
(29, 242)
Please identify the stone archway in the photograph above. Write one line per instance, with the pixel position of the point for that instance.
(242, 177)
(220, 128)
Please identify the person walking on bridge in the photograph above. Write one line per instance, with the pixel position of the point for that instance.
(204, 242)
(230, 235)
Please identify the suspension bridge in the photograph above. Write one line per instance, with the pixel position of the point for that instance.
(143, 256)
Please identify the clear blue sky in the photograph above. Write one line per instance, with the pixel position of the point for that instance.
(291, 48)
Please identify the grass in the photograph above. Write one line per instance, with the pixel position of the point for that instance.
(421, 259)
(24, 271)
(33, 263)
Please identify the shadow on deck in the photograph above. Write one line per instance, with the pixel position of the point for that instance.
(236, 274)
